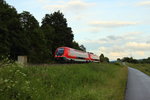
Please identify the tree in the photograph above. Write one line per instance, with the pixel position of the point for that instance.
(75, 45)
(38, 52)
(61, 33)
(35, 42)
(118, 59)
(82, 48)
(4, 43)
(103, 58)
(28, 22)
(10, 31)
(49, 34)
(106, 59)
(130, 60)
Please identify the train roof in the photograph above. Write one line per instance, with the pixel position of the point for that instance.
(78, 50)
(73, 49)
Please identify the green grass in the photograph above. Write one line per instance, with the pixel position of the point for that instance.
(142, 67)
(63, 82)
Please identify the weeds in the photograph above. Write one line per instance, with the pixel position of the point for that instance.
(67, 82)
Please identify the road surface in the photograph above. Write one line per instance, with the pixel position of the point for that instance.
(138, 85)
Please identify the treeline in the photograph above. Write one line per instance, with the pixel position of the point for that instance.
(132, 60)
(21, 34)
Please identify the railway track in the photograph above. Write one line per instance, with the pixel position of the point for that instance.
(53, 64)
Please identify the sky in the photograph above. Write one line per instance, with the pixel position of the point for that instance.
(116, 28)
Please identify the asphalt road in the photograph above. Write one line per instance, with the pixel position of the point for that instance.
(138, 85)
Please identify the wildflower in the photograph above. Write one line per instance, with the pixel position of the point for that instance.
(16, 82)
(9, 87)
(6, 80)
(27, 82)
(10, 70)
(23, 74)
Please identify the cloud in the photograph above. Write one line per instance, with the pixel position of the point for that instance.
(115, 55)
(119, 39)
(79, 17)
(140, 53)
(71, 6)
(138, 46)
(42, 1)
(110, 24)
(126, 50)
(134, 44)
(144, 3)
(133, 33)
(94, 30)
(118, 54)
(148, 41)
(128, 37)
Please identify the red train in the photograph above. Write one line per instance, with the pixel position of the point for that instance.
(67, 54)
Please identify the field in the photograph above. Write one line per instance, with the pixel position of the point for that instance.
(142, 67)
(63, 82)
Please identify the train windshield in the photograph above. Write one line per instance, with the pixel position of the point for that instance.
(60, 52)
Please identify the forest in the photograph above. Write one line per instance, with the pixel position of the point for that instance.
(21, 34)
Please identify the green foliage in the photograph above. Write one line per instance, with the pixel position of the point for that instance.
(14, 84)
(59, 34)
(82, 48)
(131, 60)
(63, 82)
(104, 59)
(9, 29)
(4, 44)
(48, 31)
(28, 22)
(75, 45)
(5, 62)
(35, 42)
(145, 60)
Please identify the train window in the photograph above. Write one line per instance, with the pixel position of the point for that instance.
(60, 52)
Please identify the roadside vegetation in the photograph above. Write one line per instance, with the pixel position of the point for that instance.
(63, 82)
(142, 67)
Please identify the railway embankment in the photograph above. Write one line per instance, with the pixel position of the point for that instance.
(63, 82)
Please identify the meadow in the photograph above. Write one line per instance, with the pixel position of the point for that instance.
(142, 67)
(63, 82)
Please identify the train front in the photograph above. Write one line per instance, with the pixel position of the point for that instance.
(60, 54)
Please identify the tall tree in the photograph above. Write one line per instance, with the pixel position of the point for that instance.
(103, 58)
(49, 33)
(34, 38)
(4, 43)
(10, 31)
(62, 34)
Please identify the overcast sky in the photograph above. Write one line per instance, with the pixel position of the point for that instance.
(116, 28)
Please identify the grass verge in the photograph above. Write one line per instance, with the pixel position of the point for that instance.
(63, 82)
(142, 67)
